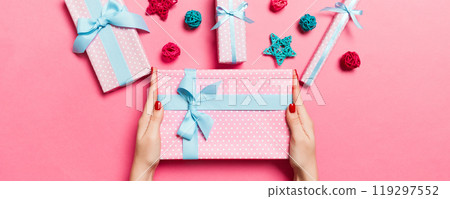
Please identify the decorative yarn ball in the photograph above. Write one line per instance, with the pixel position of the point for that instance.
(277, 5)
(350, 60)
(193, 19)
(307, 22)
(170, 51)
(160, 7)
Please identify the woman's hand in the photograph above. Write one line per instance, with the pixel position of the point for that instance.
(302, 148)
(148, 140)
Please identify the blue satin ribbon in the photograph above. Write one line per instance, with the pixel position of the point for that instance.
(188, 129)
(207, 99)
(113, 13)
(342, 8)
(229, 15)
(238, 13)
(230, 103)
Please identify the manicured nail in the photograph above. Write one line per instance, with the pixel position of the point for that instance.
(157, 105)
(151, 70)
(292, 108)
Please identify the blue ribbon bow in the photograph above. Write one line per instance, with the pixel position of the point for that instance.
(342, 8)
(113, 13)
(187, 99)
(188, 128)
(238, 13)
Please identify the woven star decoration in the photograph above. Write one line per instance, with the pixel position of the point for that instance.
(160, 7)
(280, 48)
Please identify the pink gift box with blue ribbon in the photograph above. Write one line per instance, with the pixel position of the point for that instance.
(224, 114)
(106, 31)
(231, 38)
(344, 12)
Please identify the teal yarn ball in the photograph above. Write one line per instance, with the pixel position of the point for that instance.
(193, 19)
(307, 22)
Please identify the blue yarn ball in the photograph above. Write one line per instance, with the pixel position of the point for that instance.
(307, 22)
(193, 19)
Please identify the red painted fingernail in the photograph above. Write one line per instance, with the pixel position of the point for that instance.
(296, 74)
(151, 70)
(292, 108)
(158, 105)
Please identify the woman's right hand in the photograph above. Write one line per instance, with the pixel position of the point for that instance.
(148, 139)
(302, 148)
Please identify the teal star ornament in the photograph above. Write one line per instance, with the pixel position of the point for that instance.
(280, 48)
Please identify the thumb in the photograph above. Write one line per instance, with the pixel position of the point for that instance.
(155, 121)
(158, 114)
(293, 121)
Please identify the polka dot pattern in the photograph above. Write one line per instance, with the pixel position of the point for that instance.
(129, 43)
(235, 134)
(224, 38)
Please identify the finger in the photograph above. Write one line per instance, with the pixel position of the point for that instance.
(154, 85)
(306, 121)
(149, 104)
(158, 114)
(155, 120)
(300, 106)
(152, 94)
(293, 121)
(296, 98)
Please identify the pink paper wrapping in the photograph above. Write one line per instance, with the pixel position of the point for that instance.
(129, 43)
(314, 67)
(235, 134)
(224, 35)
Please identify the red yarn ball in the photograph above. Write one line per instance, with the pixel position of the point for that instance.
(277, 5)
(170, 51)
(350, 60)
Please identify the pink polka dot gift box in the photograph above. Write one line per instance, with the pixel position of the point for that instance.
(224, 114)
(106, 31)
(231, 38)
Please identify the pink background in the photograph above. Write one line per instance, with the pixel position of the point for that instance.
(387, 120)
